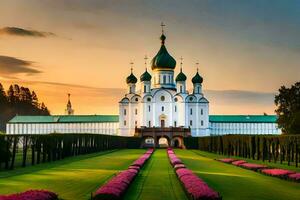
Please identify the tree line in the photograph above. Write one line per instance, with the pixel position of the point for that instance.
(19, 100)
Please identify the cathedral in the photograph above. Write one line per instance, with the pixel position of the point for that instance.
(163, 100)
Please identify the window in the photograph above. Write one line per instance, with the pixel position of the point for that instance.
(135, 123)
(145, 88)
(136, 111)
(198, 89)
(202, 122)
(191, 111)
(162, 98)
(136, 99)
(164, 79)
(175, 99)
(124, 112)
(124, 122)
(149, 108)
(175, 108)
(162, 108)
(149, 123)
(191, 123)
(175, 123)
(181, 89)
(191, 98)
(148, 99)
(201, 111)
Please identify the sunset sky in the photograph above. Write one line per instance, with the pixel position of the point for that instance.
(246, 49)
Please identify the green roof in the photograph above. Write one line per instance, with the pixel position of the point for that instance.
(115, 118)
(64, 119)
(243, 118)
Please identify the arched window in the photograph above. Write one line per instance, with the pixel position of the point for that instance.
(164, 79)
(124, 112)
(181, 89)
(149, 108)
(191, 111)
(145, 88)
(198, 89)
(149, 123)
(175, 108)
(124, 122)
(202, 122)
(201, 111)
(162, 108)
(175, 124)
(135, 123)
(136, 111)
(191, 123)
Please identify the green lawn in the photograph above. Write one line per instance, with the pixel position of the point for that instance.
(72, 178)
(236, 183)
(156, 181)
(266, 162)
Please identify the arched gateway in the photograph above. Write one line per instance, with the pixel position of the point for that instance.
(161, 137)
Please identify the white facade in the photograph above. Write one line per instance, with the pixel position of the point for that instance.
(109, 128)
(162, 102)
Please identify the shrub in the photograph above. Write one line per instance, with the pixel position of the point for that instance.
(227, 160)
(294, 177)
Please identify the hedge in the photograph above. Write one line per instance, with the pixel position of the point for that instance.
(272, 148)
(23, 150)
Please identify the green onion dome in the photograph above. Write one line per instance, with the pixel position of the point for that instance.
(163, 60)
(197, 78)
(145, 76)
(131, 79)
(181, 76)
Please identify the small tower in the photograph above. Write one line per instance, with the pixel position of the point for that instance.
(146, 79)
(131, 80)
(180, 80)
(69, 110)
(197, 82)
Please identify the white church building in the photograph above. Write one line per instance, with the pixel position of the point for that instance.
(163, 100)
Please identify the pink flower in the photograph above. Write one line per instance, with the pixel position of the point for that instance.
(294, 177)
(31, 195)
(227, 160)
(277, 172)
(179, 166)
(252, 166)
(238, 162)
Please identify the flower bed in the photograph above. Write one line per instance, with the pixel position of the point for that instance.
(195, 187)
(283, 173)
(238, 162)
(116, 187)
(227, 160)
(31, 195)
(294, 177)
(252, 166)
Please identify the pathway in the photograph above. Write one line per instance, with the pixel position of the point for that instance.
(156, 181)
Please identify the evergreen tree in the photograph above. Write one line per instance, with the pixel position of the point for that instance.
(288, 109)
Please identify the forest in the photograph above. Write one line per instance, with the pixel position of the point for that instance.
(19, 100)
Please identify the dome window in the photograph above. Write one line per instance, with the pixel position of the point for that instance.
(162, 98)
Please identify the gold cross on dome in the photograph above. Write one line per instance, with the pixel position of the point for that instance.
(162, 27)
(197, 64)
(146, 58)
(131, 64)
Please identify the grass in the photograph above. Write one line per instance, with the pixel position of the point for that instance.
(236, 183)
(72, 178)
(284, 165)
(156, 180)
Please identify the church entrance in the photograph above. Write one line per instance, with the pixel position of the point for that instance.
(162, 123)
(163, 142)
(162, 119)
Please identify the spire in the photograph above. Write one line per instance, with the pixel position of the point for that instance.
(131, 78)
(162, 37)
(181, 59)
(69, 110)
(145, 58)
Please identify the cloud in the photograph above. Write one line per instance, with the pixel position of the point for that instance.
(16, 31)
(11, 65)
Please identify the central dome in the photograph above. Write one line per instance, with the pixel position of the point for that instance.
(163, 60)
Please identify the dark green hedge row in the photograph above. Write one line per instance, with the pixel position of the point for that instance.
(281, 148)
(16, 150)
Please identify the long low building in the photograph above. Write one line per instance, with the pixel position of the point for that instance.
(109, 124)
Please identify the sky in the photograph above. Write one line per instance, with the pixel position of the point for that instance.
(246, 49)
